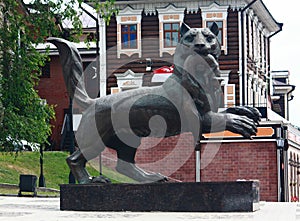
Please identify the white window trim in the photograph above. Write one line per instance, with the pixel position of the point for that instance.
(170, 14)
(128, 80)
(215, 12)
(129, 16)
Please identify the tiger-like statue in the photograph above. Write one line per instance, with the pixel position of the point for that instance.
(186, 102)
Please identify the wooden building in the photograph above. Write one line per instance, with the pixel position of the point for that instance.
(141, 39)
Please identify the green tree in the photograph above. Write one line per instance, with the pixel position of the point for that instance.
(23, 114)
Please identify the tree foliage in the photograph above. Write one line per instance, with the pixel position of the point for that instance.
(23, 113)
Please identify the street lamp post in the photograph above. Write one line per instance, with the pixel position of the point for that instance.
(71, 134)
(41, 178)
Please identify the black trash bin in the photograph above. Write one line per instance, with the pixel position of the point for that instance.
(27, 184)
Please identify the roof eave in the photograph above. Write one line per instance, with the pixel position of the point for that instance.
(266, 17)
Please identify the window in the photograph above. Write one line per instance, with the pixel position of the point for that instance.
(129, 36)
(129, 32)
(171, 34)
(220, 26)
(46, 70)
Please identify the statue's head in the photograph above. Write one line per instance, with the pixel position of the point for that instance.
(200, 41)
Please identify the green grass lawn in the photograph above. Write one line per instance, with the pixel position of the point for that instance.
(56, 171)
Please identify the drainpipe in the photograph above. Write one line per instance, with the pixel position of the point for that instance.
(244, 87)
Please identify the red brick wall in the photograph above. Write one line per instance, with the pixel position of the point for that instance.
(173, 156)
(226, 162)
(54, 90)
(248, 160)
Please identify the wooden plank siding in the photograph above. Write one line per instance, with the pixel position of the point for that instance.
(231, 60)
(150, 49)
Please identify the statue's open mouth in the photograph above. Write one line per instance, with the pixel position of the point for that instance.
(201, 52)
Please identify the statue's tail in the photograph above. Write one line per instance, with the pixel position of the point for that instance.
(72, 71)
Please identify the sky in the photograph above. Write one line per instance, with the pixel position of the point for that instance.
(285, 48)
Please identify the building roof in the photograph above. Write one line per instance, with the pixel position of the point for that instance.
(86, 19)
(265, 16)
(257, 6)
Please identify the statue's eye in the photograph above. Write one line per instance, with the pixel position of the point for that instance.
(189, 38)
(209, 38)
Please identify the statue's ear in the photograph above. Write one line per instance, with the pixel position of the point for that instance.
(184, 29)
(214, 28)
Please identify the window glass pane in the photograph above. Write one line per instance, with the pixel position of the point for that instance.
(124, 28)
(133, 44)
(167, 26)
(175, 26)
(125, 41)
(220, 24)
(125, 38)
(132, 36)
(133, 28)
(167, 39)
(175, 38)
(133, 40)
(220, 37)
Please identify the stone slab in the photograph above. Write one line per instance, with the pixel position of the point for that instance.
(166, 197)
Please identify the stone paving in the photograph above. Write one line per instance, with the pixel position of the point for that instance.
(47, 209)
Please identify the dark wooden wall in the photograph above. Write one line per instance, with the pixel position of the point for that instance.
(150, 49)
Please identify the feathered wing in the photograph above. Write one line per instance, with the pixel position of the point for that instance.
(72, 71)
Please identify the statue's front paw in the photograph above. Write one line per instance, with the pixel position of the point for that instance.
(250, 112)
(243, 125)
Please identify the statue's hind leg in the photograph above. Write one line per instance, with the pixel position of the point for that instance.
(126, 163)
(90, 145)
(76, 163)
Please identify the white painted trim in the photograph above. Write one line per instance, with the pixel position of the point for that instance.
(245, 86)
(102, 56)
(241, 88)
(129, 80)
(169, 10)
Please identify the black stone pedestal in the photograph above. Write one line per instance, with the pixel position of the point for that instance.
(167, 197)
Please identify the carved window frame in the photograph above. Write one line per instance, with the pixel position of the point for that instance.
(216, 13)
(129, 16)
(169, 14)
(171, 31)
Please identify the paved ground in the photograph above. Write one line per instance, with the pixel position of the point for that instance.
(47, 209)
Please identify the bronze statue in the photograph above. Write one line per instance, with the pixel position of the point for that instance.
(186, 102)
